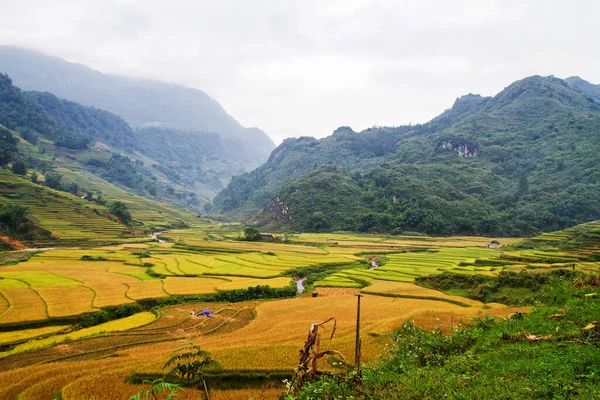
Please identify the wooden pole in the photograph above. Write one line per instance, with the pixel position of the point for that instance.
(357, 349)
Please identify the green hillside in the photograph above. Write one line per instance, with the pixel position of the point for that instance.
(519, 163)
(584, 238)
(75, 221)
(70, 220)
(185, 169)
(77, 179)
(49, 198)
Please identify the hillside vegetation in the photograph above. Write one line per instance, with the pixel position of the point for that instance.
(549, 353)
(516, 164)
(185, 169)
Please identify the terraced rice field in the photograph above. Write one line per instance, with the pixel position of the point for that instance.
(7, 338)
(258, 336)
(61, 283)
(405, 267)
(142, 209)
(70, 219)
(252, 264)
(66, 283)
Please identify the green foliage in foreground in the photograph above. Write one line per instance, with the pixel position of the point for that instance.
(491, 359)
(160, 389)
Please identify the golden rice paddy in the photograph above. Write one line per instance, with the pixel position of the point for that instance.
(261, 336)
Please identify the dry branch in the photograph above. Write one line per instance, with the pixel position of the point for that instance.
(310, 355)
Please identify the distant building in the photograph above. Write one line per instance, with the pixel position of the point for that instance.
(494, 244)
(267, 237)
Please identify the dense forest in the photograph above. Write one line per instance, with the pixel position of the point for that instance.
(521, 162)
(187, 156)
(95, 124)
(19, 112)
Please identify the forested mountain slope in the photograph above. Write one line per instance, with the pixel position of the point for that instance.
(521, 162)
(183, 168)
(49, 196)
(142, 103)
(589, 90)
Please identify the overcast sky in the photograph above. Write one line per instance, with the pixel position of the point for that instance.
(304, 67)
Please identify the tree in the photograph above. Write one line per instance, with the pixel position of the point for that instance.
(54, 180)
(189, 363)
(523, 184)
(12, 218)
(34, 177)
(120, 210)
(251, 234)
(19, 168)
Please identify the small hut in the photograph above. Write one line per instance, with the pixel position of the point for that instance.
(267, 237)
(494, 244)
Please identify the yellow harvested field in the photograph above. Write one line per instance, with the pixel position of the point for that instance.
(186, 286)
(64, 301)
(183, 286)
(3, 303)
(243, 283)
(412, 290)
(87, 387)
(50, 383)
(270, 341)
(288, 320)
(25, 306)
(109, 294)
(26, 334)
(118, 325)
(145, 290)
(21, 379)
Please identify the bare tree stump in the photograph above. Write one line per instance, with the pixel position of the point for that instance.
(310, 355)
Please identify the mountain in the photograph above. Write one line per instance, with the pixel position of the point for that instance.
(187, 157)
(142, 103)
(94, 126)
(515, 164)
(101, 143)
(589, 90)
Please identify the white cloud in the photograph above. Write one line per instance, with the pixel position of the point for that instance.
(304, 67)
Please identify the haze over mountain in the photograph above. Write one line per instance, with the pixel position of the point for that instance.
(523, 161)
(142, 103)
